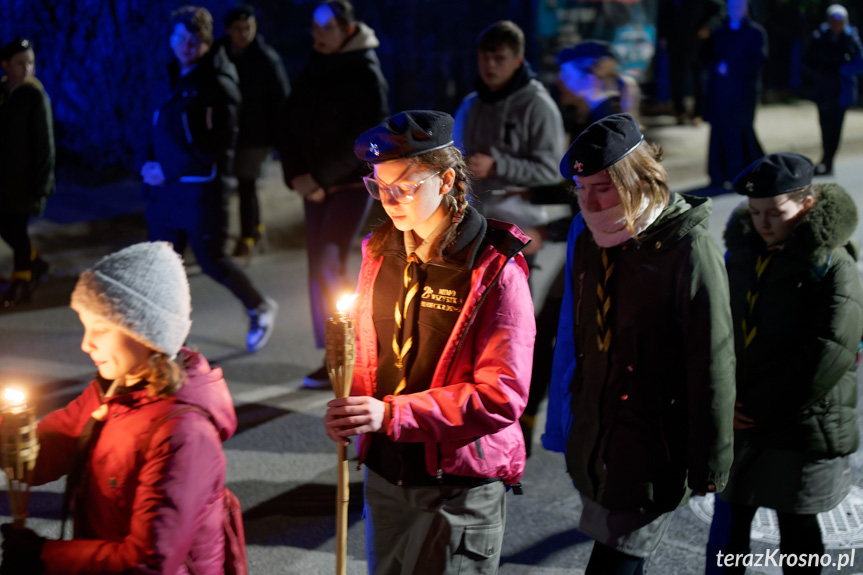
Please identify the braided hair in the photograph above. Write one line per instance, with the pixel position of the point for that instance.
(442, 159)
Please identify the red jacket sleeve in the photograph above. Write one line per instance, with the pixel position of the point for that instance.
(58, 434)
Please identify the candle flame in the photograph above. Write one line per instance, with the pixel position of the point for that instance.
(344, 304)
(14, 397)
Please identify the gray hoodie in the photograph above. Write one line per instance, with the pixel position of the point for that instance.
(523, 132)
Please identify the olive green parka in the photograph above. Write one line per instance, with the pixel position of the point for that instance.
(652, 417)
(797, 353)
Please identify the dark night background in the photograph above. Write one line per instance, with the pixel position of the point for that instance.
(98, 58)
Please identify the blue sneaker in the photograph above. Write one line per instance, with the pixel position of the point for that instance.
(261, 324)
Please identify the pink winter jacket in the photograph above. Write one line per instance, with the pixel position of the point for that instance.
(144, 510)
(468, 418)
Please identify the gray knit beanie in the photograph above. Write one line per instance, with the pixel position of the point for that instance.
(144, 291)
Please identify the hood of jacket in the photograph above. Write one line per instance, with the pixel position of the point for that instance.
(830, 223)
(363, 39)
(206, 388)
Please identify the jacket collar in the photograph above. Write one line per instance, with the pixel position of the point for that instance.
(830, 223)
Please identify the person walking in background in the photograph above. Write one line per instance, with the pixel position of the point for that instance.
(682, 26)
(590, 82)
(341, 93)
(734, 56)
(797, 303)
(194, 130)
(832, 61)
(512, 133)
(141, 447)
(642, 393)
(264, 85)
(445, 337)
(26, 164)
(510, 129)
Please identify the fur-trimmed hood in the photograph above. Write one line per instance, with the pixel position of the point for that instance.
(829, 224)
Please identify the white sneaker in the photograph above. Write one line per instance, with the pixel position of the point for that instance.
(262, 320)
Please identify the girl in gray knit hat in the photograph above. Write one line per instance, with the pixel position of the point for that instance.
(142, 445)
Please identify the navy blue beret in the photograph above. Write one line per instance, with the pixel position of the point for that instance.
(774, 175)
(589, 49)
(405, 135)
(603, 143)
(14, 47)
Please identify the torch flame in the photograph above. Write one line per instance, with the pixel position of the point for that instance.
(14, 397)
(344, 304)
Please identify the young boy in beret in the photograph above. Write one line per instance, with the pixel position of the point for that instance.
(445, 339)
(26, 164)
(642, 390)
(797, 303)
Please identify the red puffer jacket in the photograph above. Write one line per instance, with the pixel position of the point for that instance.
(144, 512)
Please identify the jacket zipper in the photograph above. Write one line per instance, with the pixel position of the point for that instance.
(458, 349)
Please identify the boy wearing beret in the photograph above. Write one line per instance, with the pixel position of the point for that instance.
(26, 164)
(797, 303)
(642, 391)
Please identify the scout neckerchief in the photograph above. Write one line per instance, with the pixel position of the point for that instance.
(407, 306)
(603, 332)
(748, 321)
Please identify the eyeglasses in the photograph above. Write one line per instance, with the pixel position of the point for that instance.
(401, 192)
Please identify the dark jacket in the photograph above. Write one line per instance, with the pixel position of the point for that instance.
(195, 125)
(731, 97)
(678, 22)
(797, 377)
(144, 509)
(26, 148)
(264, 85)
(832, 63)
(654, 414)
(335, 99)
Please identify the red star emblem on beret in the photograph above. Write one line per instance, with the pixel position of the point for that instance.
(578, 167)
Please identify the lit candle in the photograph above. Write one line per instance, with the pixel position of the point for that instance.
(19, 445)
(14, 399)
(343, 306)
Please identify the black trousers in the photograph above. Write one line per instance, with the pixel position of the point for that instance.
(197, 215)
(798, 534)
(831, 119)
(331, 227)
(250, 209)
(682, 74)
(607, 561)
(13, 230)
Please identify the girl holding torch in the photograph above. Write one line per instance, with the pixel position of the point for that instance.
(146, 470)
(445, 331)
